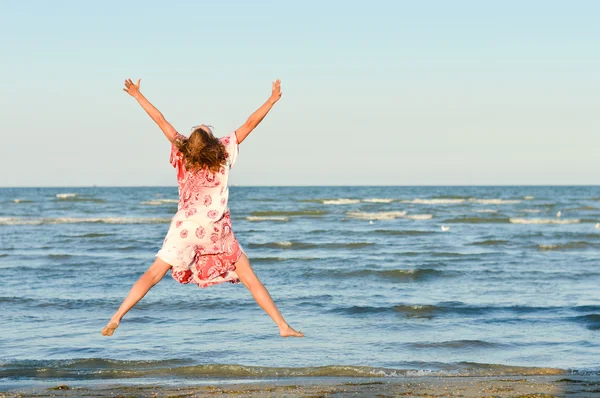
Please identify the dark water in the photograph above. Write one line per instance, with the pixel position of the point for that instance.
(366, 272)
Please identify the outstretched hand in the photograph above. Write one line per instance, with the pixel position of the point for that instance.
(132, 88)
(276, 91)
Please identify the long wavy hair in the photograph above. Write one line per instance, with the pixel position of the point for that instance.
(202, 150)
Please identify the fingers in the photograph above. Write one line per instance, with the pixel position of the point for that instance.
(129, 84)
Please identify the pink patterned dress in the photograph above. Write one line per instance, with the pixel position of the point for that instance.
(200, 245)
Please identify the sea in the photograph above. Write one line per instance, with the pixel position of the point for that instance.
(383, 281)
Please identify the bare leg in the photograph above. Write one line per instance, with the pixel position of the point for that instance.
(150, 278)
(262, 296)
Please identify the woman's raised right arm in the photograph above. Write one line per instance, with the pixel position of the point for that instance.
(133, 89)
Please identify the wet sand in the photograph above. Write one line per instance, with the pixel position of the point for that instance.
(513, 386)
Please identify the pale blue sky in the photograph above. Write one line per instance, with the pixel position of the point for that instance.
(374, 92)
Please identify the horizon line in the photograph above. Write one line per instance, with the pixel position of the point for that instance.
(308, 186)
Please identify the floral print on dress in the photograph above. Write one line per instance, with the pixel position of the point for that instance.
(200, 245)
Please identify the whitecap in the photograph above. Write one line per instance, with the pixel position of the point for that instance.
(543, 221)
(76, 220)
(384, 215)
(531, 210)
(434, 201)
(65, 195)
(495, 201)
(529, 197)
(419, 216)
(378, 200)
(267, 218)
(159, 202)
(341, 202)
(485, 211)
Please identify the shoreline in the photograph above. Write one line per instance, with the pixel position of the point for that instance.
(410, 386)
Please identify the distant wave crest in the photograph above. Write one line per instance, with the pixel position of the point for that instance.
(341, 201)
(159, 202)
(77, 220)
(383, 215)
(544, 221)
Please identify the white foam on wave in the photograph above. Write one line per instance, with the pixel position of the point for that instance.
(284, 243)
(419, 216)
(341, 202)
(528, 197)
(383, 215)
(267, 218)
(75, 220)
(159, 202)
(531, 210)
(434, 201)
(544, 221)
(378, 200)
(485, 211)
(66, 195)
(495, 201)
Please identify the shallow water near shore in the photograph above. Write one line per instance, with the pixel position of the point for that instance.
(384, 282)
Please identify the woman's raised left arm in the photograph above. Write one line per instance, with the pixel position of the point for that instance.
(259, 114)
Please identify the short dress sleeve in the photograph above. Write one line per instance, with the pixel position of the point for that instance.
(231, 147)
(176, 156)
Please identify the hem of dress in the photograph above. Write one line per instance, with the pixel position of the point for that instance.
(230, 275)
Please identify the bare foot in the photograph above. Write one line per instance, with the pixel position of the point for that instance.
(288, 331)
(109, 329)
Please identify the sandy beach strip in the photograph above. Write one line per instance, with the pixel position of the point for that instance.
(497, 386)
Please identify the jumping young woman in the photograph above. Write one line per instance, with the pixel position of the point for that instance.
(200, 246)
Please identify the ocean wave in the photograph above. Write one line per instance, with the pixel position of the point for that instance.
(289, 213)
(419, 216)
(267, 218)
(100, 368)
(93, 235)
(586, 208)
(378, 200)
(455, 344)
(75, 220)
(490, 242)
(22, 201)
(403, 232)
(341, 201)
(59, 256)
(591, 321)
(485, 211)
(399, 274)
(75, 197)
(528, 197)
(160, 202)
(495, 201)
(383, 215)
(446, 201)
(66, 195)
(531, 210)
(281, 259)
(302, 245)
(566, 246)
(544, 221)
(477, 220)
(430, 311)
